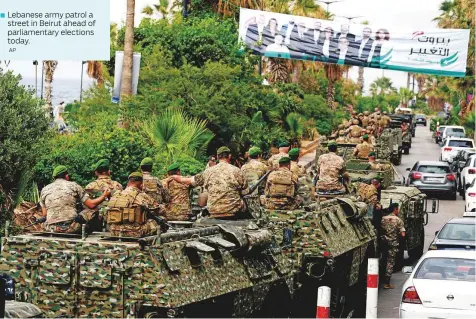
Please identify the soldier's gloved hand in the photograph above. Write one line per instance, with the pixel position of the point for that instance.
(80, 219)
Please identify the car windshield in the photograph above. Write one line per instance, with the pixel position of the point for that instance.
(458, 143)
(433, 169)
(445, 268)
(457, 232)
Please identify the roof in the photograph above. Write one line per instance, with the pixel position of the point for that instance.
(462, 220)
(454, 126)
(433, 163)
(459, 138)
(470, 254)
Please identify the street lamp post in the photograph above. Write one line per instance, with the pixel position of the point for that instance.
(329, 2)
(82, 71)
(350, 18)
(42, 75)
(35, 63)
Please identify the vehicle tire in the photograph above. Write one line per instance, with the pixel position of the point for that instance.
(406, 151)
(277, 303)
(464, 189)
(453, 196)
(425, 124)
(460, 189)
(417, 252)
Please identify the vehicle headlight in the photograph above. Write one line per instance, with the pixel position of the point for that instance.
(432, 247)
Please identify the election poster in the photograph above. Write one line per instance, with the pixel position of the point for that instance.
(431, 51)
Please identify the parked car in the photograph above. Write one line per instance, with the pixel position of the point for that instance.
(452, 145)
(433, 177)
(442, 285)
(459, 160)
(420, 119)
(470, 197)
(467, 174)
(457, 233)
(439, 131)
(453, 131)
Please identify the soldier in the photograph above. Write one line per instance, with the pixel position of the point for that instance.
(295, 167)
(386, 119)
(254, 169)
(97, 187)
(281, 187)
(273, 161)
(392, 229)
(127, 214)
(179, 206)
(103, 181)
(225, 185)
(362, 150)
(151, 184)
(355, 132)
(330, 167)
(212, 161)
(365, 119)
(372, 138)
(371, 194)
(59, 202)
(405, 127)
(372, 162)
(341, 138)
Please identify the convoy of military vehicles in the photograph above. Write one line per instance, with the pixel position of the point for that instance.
(268, 265)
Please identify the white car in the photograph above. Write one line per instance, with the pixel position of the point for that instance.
(470, 197)
(467, 174)
(442, 285)
(453, 131)
(452, 145)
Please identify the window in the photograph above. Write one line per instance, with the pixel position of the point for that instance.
(455, 269)
(457, 232)
(459, 143)
(441, 129)
(433, 169)
(455, 130)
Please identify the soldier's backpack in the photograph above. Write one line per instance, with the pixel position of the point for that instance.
(149, 185)
(123, 210)
(281, 187)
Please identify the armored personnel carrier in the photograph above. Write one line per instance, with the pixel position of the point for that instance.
(412, 203)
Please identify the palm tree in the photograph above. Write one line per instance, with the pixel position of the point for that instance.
(49, 67)
(333, 74)
(405, 96)
(163, 8)
(382, 86)
(96, 71)
(179, 134)
(295, 124)
(126, 81)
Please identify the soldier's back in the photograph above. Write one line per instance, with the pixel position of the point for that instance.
(391, 225)
(153, 187)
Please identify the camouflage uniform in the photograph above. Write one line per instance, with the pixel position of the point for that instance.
(273, 161)
(137, 201)
(153, 187)
(297, 169)
(330, 165)
(253, 171)
(281, 190)
(60, 199)
(364, 149)
(102, 184)
(392, 226)
(369, 195)
(341, 138)
(179, 206)
(375, 166)
(224, 184)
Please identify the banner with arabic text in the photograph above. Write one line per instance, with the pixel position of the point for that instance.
(430, 51)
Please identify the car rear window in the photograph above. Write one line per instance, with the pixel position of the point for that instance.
(455, 130)
(455, 269)
(457, 232)
(457, 143)
(434, 169)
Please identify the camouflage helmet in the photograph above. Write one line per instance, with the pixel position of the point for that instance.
(369, 128)
(341, 132)
(355, 122)
(385, 113)
(347, 125)
(366, 113)
(376, 109)
(354, 112)
(360, 114)
(341, 126)
(379, 117)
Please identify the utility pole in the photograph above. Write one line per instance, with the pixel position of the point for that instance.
(35, 63)
(81, 90)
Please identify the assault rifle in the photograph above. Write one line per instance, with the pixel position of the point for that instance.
(255, 186)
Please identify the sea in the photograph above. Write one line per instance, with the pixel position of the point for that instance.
(64, 90)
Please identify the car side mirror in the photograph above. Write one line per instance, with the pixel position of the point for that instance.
(407, 270)
(408, 169)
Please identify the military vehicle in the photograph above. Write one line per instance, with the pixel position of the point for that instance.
(412, 202)
(268, 265)
(406, 137)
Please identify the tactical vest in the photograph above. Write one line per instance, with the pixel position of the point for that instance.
(149, 185)
(364, 150)
(281, 187)
(355, 131)
(123, 210)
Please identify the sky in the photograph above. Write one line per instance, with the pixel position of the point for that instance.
(407, 13)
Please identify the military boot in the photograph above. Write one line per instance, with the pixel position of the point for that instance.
(387, 284)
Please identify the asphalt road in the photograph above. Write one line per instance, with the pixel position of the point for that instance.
(423, 148)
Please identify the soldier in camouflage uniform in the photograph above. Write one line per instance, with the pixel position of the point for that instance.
(365, 119)
(386, 119)
(273, 161)
(179, 207)
(363, 149)
(59, 202)
(392, 229)
(330, 168)
(225, 185)
(97, 187)
(341, 138)
(372, 139)
(372, 162)
(127, 216)
(254, 169)
(281, 187)
(355, 131)
(152, 185)
(295, 167)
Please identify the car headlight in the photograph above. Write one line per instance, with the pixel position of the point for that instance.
(432, 247)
